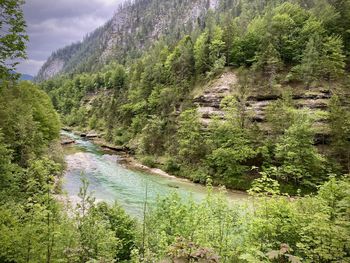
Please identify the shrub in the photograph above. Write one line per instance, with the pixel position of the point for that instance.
(171, 166)
(148, 161)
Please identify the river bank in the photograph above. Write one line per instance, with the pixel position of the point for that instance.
(130, 161)
(116, 176)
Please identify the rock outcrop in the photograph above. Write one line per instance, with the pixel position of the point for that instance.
(67, 141)
(315, 99)
(126, 32)
(209, 102)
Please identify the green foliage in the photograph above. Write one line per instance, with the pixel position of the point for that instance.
(13, 37)
(310, 67)
(272, 228)
(25, 236)
(333, 58)
(201, 53)
(280, 114)
(321, 60)
(280, 221)
(339, 118)
(187, 251)
(231, 148)
(264, 186)
(190, 138)
(152, 137)
(171, 166)
(181, 61)
(300, 160)
(283, 255)
(27, 120)
(6, 167)
(96, 239)
(269, 62)
(144, 103)
(122, 225)
(149, 161)
(209, 225)
(39, 177)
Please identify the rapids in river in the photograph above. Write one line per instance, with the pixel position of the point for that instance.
(110, 180)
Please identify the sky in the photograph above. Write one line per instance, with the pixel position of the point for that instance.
(53, 24)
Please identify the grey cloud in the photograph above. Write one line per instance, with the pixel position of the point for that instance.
(30, 66)
(39, 10)
(53, 24)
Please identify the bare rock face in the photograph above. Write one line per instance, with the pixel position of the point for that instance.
(135, 26)
(126, 24)
(258, 108)
(209, 102)
(51, 68)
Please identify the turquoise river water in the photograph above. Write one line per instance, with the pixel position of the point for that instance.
(110, 180)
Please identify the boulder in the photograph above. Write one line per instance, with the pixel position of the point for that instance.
(92, 135)
(67, 141)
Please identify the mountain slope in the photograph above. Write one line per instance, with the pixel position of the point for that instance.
(134, 27)
(26, 77)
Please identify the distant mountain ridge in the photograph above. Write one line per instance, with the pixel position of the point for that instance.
(23, 76)
(134, 27)
(26, 77)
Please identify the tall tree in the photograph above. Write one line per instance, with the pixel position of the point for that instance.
(332, 58)
(217, 48)
(190, 137)
(13, 36)
(269, 61)
(342, 25)
(201, 53)
(309, 70)
(300, 161)
(181, 61)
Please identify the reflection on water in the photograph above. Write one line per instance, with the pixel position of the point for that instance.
(109, 180)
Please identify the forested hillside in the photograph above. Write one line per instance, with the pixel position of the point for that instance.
(285, 114)
(254, 96)
(133, 29)
(136, 26)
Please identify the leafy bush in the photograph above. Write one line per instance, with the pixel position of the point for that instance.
(171, 166)
(149, 161)
(270, 228)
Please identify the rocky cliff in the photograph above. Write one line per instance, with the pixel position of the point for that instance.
(134, 27)
(315, 99)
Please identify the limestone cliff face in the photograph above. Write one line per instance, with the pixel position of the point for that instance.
(135, 26)
(51, 68)
(209, 103)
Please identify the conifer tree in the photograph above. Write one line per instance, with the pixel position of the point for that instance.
(309, 69)
(216, 47)
(332, 58)
(269, 61)
(201, 53)
(181, 61)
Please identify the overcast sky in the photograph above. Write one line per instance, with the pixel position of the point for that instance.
(53, 24)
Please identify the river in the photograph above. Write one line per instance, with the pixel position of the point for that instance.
(110, 180)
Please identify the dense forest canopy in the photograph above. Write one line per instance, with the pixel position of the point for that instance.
(142, 97)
